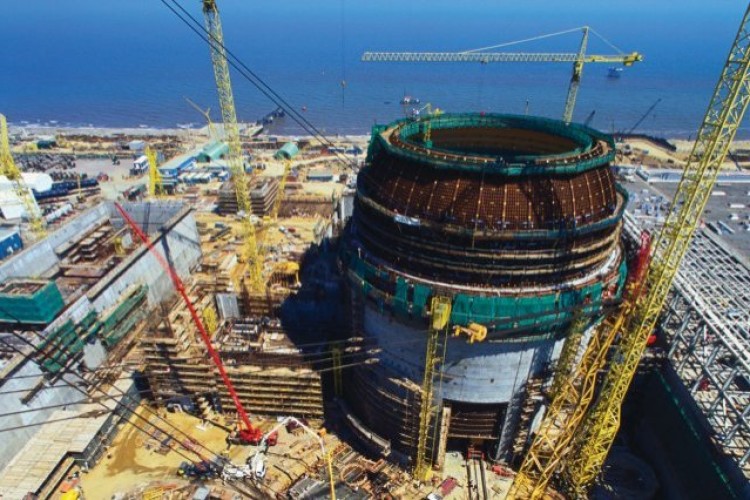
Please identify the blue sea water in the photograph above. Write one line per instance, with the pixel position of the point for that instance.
(131, 62)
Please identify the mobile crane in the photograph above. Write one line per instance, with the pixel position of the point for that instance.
(248, 433)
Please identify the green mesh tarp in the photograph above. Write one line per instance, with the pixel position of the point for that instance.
(124, 317)
(60, 345)
(40, 307)
(583, 137)
(421, 294)
(400, 301)
(501, 313)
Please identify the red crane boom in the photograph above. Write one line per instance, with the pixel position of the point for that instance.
(249, 434)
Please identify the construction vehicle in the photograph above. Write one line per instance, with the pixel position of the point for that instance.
(9, 169)
(205, 469)
(257, 462)
(247, 433)
(481, 56)
(573, 439)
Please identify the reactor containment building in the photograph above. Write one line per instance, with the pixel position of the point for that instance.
(517, 220)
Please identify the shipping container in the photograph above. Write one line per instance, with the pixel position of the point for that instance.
(10, 242)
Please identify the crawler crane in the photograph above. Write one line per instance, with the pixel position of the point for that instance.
(573, 439)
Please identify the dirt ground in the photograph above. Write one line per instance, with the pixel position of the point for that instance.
(118, 174)
(130, 464)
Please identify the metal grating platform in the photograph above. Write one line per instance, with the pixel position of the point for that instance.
(708, 324)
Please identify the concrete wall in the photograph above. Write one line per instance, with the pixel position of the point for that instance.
(180, 244)
(60, 393)
(487, 372)
(40, 258)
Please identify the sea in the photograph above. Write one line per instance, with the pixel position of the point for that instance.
(131, 63)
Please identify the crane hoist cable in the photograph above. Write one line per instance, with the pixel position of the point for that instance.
(249, 75)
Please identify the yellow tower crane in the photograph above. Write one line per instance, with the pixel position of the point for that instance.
(155, 183)
(232, 135)
(572, 439)
(282, 190)
(10, 170)
(440, 310)
(482, 56)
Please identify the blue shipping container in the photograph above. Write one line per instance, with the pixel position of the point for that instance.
(10, 242)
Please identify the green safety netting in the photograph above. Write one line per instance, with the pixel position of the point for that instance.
(124, 317)
(40, 307)
(61, 344)
(497, 311)
(69, 339)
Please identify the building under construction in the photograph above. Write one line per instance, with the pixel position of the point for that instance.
(517, 220)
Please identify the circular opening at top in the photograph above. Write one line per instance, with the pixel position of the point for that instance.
(508, 137)
(503, 142)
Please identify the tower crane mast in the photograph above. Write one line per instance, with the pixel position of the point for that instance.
(578, 59)
(207, 115)
(232, 136)
(155, 181)
(574, 439)
(9, 169)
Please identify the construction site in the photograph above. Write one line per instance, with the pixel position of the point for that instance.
(464, 305)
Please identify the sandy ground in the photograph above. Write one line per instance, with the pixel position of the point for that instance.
(129, 464)
(119, 176)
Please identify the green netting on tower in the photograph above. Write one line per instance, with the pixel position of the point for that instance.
(400, 301)
(421, 294)
(540, 312)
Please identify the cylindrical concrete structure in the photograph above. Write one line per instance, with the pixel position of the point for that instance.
(517, 220)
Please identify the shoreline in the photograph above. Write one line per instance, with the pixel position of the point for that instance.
(682, 144)
(93, 131)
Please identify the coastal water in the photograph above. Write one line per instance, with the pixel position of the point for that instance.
(132, 62)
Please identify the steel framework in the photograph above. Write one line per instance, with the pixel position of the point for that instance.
(707, 323)
(232, 136)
